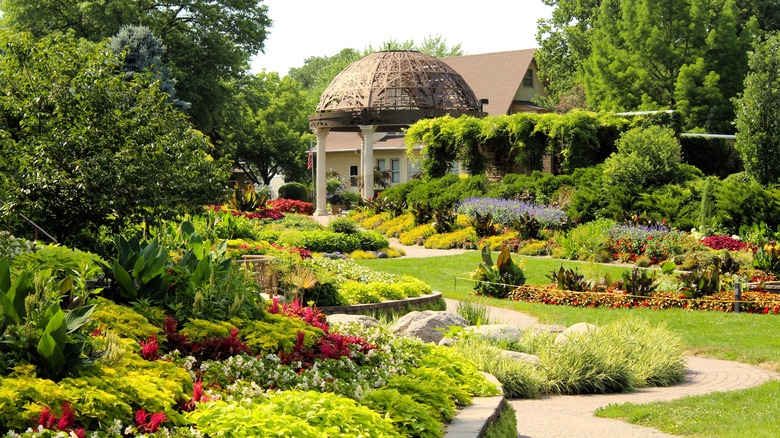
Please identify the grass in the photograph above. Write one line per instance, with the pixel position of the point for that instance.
(751, 412)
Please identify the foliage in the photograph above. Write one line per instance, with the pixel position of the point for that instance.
(505, 212)
(409, 417)
(738, 202)
(463, 238)
(292, 206)
(587, 242)
(292, 413)
(343, 225)
(121, 319)
(645, 156)
(329, 241)
(221, 35)
(295, 191)
(475, 312)
(638, 283)
(245, 199)
(11, 246)
(569, 279)
(496, 280)
(75, 164)
(264, 128)
(505, 425)
(433, 388)
(724, 242)
(757, 111)
(647, 58)
(518, 379)
(767, 258)
(417, 235)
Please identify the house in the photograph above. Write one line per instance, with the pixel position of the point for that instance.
(504, 83)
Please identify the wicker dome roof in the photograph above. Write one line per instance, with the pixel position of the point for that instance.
(392, 88)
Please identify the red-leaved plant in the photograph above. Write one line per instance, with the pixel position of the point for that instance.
(65, 422)
(148, 422)
(150, 349)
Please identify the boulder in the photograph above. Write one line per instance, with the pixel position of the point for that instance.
(428, 325)
(341, 318)
(579, 328)
(522, 357)
(447, 342)
(497, 332)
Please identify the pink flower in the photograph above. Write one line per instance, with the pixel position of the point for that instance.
(149, 348)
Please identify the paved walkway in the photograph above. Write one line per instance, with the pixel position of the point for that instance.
(572, 416)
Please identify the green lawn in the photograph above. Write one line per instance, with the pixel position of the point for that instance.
(747, 413)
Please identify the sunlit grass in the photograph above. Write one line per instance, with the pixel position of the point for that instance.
(747, 413)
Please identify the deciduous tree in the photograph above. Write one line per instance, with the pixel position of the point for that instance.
(83, 146)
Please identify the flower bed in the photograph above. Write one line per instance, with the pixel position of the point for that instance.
(506, 211)
(752, 302)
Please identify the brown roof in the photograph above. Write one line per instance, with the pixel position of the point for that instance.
(494, 76)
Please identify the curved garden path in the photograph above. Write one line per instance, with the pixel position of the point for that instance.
(572, 416)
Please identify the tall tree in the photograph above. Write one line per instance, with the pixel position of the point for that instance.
(564, 43)
(758, 112)
(207, 41)
(266, 127)
(649, 57)
(82, 147)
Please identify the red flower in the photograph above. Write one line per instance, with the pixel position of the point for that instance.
(149, 348)
(148, 424)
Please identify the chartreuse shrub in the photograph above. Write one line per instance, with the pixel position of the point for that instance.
(99, 394)
(462, 238)
(393, 227)
(291, 413)
(409, 417)
(329, 241)
(459, 368)
(359, 293)
(123, 320)
(417, 235)
(274, 333)
(434, 388)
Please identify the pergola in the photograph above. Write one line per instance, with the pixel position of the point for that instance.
(385, 92)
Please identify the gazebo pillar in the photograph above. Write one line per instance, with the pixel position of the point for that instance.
(322, 200)
(367, 157)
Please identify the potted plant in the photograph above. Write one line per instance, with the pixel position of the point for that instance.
(336, 190)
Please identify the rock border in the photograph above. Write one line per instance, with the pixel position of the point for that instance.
(359, 309)
(472, 421)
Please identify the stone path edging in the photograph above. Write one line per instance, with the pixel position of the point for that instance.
(359, 309)
(472, 420)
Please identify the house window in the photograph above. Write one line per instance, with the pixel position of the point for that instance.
(353, 175)
(380, 164)
(413, 168)
(528, 79)
(395, 169)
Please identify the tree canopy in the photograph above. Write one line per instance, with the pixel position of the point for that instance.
(206, 42)
(689, 55)
(758, 113)
(84, 146)
(265, 128)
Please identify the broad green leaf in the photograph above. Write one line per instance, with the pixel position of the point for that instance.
(125, 280)
(76, 318)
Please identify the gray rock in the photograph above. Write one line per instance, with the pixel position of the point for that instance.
(522, 357)
(576, 329)
(447, 342)
(497, 332)
(555, 328)
(428, 325)
(341, 318)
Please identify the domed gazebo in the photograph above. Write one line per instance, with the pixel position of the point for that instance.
(385, 92)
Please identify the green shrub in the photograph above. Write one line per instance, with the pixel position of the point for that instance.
(519, 379)
(463, 238)
(329, 241)
(417, 235)
(123, 320)
(741, 203)
(496, 280)
(409, 417)
(433, 388)
(643, 261)
(585, 364)
(294, 190)
(324, 294)
(343, 225)
(535, 249)
(505, 425)
(359, 293)
(645, 157)
(291, 413)
(459, 368)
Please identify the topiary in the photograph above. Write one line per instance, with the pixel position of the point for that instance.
(294, 190)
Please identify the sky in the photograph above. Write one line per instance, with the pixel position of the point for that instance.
(306, 28)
